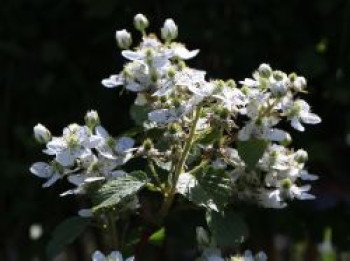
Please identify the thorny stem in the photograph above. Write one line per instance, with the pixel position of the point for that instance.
(180, 165)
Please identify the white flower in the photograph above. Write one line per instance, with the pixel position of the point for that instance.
(41, 133)
(169, 30)
(123, 39)
(113, 256)
(299, 112)
(119, 150)
(76, 141)
(46, 171)
(261, 131)
(140, 22)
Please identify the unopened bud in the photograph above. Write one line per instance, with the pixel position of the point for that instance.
(123, 39)
(278, 75)
(92, 119)
(286, 183)
(279, 89)
(301, 156)
(140, 22)
(41, 133)
(169, 30)
(299, 84)
(265, 70)
(147, 145)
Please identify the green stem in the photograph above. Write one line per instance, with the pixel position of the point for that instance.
(113, 233)
(169, 198)
(154, 173)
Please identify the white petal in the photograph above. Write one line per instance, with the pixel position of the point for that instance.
(296, 124)
(98, 256)
(100, 131)
(94, 141)
(113, 81)
(51, 180)
(124, 144)
(93, 179)
(115, 256)
(65, 158)
(249, 82)
(185, 182)
(277, 135)
(304, 175)
(41, 169)
(130, 55)
(162, 116)
(310, 118)
(85, 212)
(135, 87)
(56, 144)
(76, 179)
(184, 53)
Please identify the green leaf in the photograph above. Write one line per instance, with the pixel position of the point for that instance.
(117, 191)
(139, 175)
(212, 189)
(228, 229)
(158, 237)
(251, 151)
(64, 234)
(210, 137)
(139, 114)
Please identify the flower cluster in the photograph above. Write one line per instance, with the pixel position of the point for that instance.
(218, 142)
(83, 154)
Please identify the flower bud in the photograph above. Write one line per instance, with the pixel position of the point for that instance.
(147, 145)
(41, 133)
(287, 141)
(279, 89)
(140, 22)
(92, 119)
(299, 84)
(286, 183)
(301, 156)
(278, 75)
(123, 39)
(169, 30)
(265, 70)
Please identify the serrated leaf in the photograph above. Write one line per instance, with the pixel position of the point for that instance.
(139, 114)
(117, 191)
(64, 234)
(228, 229)
(212, 189)
(251, 151)
(158, 237)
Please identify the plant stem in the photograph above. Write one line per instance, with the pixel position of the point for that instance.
(113, 233)
(169, 198)
(154, 173)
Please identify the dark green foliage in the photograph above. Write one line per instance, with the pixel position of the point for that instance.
(64, 234)
(251, 151)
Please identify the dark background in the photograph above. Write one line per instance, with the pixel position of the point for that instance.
(53, 55)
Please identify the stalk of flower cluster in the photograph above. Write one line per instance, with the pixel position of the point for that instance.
(180, 165)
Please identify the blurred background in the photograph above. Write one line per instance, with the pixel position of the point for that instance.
(53, 55)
